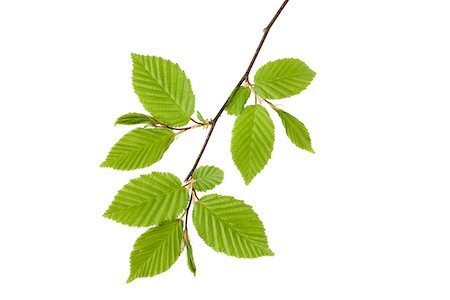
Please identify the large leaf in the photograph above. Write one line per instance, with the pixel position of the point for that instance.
(156, 250)
(296, 131)
(230, 226)
(252, 141)
(236, 104)
(207, 177)
(139, 148)
(163, 89)
(149, 200)
(134, 119)
(282, 78)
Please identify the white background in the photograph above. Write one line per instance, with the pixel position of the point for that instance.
(366, 217)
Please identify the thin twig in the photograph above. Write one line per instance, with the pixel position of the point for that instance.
(244, 78)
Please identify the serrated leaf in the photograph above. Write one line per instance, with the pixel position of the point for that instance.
(190, 258)
(156, 250)
(207, 177)
(252, 141)
(134, 119)
(163, 89)
(296, 131)
(200, 117)
(139, 148)
(282, 78)
(230, 226)
(237, 102)
(149, 200)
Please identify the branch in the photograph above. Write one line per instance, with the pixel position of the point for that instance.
(244, 78)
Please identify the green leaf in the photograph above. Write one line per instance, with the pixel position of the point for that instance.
(156, 250)
(200, 117)
(237, 102)
(230, 226)
(296, 131)
(163, 89)
(134, 119)
(149, 200)
(252, 141)
(139, 148)
(207, 177)
(190, 257)
(282, 78)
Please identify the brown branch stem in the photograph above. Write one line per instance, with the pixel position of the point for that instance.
(244, 78)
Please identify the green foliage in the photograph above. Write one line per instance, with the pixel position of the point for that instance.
(139, 148)
(236, 104)
(163, 89)
(134, 119)
(282, 78)
(190, 258)
(161, 199)
(200, 117)
(207, 177)
(156, 250)
(252, 141)
(149, 200)
(296, 131)
(230, 226)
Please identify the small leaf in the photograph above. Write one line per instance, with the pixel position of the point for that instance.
(163, 89)
(282, 78)
(237, 102)
(296, 131)
(207, 177)
(190, 258)
(139, 148)
(149, 200)
(200, 117)
(230, 226)
(134, 119)
(252, 141)
(156, 250)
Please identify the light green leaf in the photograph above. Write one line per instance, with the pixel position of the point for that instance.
(190, 257)
(134, 119)
(156, 250)
(149, 200)
(252, 141)
(207, 177)
(230, 226)
(296, 131)
(200, 117)
(163, 89)
(282, 78)
(139, 148)
(237, 102)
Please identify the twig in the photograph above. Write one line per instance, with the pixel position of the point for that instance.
(244, 78)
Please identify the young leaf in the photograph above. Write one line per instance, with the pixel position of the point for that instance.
(156, 250)
(139, 148)
(230, 226)
(207, 177)
(200, 117)
(282, 78)
(237, 102)
(149, 200)
(134, 119)
(163, 89)
(252, 141)
(296, 131)
(190, 258)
